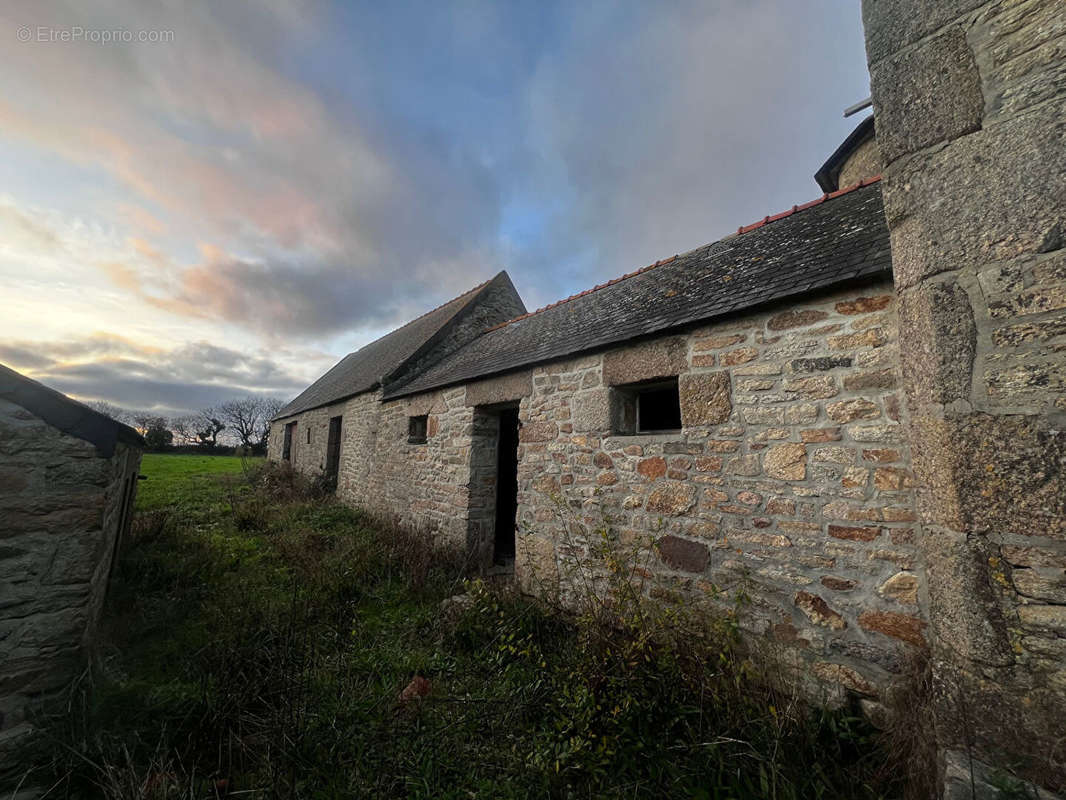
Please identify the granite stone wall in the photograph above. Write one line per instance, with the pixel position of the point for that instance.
(790, 481)
(62, 508)
(969, 99)
(865, 162)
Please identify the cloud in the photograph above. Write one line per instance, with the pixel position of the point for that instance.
(171, 382)
(223, 146)
(352, 165)
(664, 131)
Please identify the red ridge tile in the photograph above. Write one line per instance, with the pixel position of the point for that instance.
(741, 230)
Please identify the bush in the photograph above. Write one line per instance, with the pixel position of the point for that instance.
(267, 650)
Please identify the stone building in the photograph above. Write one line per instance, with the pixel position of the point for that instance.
(852, 410)
(68, 477)
(736, 407)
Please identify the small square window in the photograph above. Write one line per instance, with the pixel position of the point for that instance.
(416, 429)
(646, 408)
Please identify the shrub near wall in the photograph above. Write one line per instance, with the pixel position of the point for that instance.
(789, 484)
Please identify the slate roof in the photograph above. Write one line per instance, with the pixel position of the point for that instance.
(65, 413)
(370, 366)
(836, 238)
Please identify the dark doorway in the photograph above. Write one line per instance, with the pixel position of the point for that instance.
(506, 486)
(333, 451)
(286, 450)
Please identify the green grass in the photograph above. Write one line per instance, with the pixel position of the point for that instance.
(256, 640)
(187, 481)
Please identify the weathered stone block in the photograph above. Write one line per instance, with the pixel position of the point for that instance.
(850, 410)
(820, 364)
(741, 355)
(818, 611)
(870, 337)
(683, 554)
(422, 404)
(1048, 584)
(705, 398)
(899, 626)
(671, 499)
(993, 473)
(874, 379)
(854, 534)
(1017, 214)
(502, 389)
(591, 410)
(795, 319)
(891, 24)
(863, 305)
(652, 468)
(901, 587)
(845, 676)
(786, 461)
(938, 340)
(660, 358)
(538, 432)
(818, 387)
(928, 95)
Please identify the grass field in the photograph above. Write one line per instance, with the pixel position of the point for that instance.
(188, 481)
(258, 640)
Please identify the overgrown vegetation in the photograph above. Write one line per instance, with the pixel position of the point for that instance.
(259, 640)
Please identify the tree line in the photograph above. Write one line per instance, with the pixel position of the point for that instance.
(243, 422)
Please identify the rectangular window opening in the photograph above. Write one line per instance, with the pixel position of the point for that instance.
(416, 429)
(309, 434)
(653, 407)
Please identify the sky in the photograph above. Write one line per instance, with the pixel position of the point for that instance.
(204, 200)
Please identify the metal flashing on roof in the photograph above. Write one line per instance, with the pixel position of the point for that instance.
(828, 175)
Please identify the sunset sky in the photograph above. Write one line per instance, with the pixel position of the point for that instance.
(257, 189)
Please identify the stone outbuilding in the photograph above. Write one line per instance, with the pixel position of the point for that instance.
(851, 412)
(68, 478)
(733, 411)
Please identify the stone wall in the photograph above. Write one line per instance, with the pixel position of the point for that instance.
(425, 486)
(864, 163)
(359, 424)
(61, 506)
(969, 99)
(790, 479)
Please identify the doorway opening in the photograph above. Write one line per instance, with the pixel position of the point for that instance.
(286, 449)
(506, 488)
(333, 451)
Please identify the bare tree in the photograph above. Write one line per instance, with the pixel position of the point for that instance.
(249, 418)
(143, 420)
(110, 410)
(242, 415)
(207, 425)
(271, 408)
(184, 429)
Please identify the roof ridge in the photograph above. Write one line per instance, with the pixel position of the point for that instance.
(741, 230)
(410, 322)
(804, 206)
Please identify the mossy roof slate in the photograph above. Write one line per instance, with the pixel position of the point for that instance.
(838, 238)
